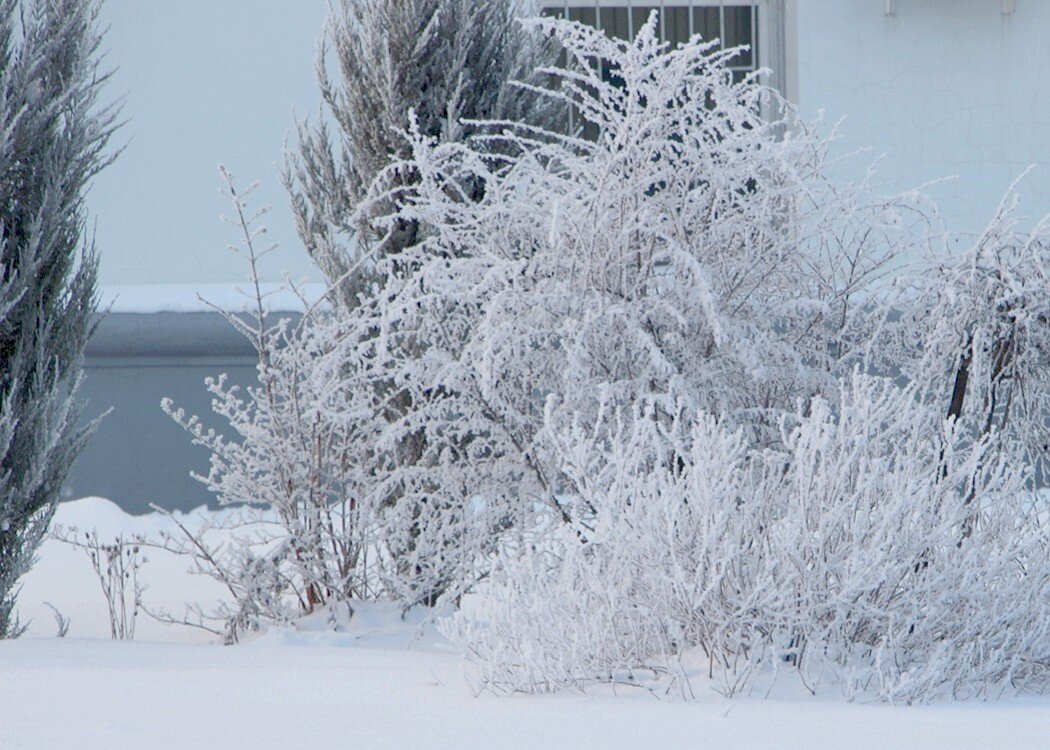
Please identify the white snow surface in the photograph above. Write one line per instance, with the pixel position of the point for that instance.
(382, 681)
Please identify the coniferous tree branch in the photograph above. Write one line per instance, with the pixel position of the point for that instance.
(54, 139)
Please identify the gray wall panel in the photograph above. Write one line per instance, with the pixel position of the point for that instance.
(138, 455)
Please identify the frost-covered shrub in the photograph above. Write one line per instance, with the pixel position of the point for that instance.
(296, 453)
(611, 386)
(689, 248)
(440, 63)
(976, 332)
(911, 554)
(289, 455)
(351, 490)
(689, 292)
(116, 564)
(877, 549)
(332, 515)
(641, 574)
(331, 510)
(687, 251)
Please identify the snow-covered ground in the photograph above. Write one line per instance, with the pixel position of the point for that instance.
(377, 685)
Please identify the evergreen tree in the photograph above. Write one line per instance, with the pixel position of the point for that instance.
(53, 139)
(441, 63)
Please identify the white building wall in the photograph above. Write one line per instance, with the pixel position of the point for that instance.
(941, 88)
(206, 82)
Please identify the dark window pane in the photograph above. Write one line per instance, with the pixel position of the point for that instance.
(676, 25)
(738, 31)
(706, 23)
(734, 24)
(584, 15)
(615, 22)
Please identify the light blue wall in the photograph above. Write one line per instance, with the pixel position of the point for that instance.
(942, 88)
(207, 82)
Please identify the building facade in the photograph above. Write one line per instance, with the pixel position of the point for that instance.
(949, 95)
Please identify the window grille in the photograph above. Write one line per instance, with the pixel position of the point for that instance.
(732, 23)
(758, 24)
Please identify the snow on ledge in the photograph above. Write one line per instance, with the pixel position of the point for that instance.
(186, 298)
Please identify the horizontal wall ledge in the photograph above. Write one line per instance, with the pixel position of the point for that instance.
(171, 335)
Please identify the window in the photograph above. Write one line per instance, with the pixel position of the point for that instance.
(732, 22)
(755, 23)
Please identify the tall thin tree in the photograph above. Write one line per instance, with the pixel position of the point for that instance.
(53, 140)
(443, 63)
